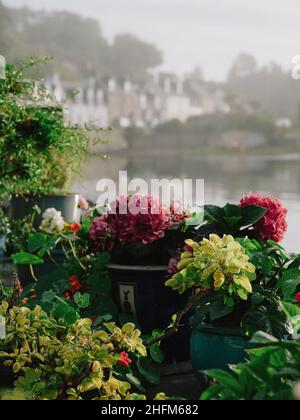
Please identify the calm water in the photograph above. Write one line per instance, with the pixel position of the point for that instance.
(226, 179)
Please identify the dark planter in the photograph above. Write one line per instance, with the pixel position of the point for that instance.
(6, 377)
(24, 272)
(216, 348)
(21, 207)
(140, 291)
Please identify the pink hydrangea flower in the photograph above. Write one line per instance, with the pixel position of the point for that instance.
(273, 226)
(103, 234)
(132, 219)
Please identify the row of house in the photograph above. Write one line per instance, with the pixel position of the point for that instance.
(164, 97)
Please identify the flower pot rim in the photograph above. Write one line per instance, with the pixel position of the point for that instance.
(32, 196)
(217, 330)
(137, 267)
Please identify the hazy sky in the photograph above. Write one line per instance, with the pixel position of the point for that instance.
(209, 33)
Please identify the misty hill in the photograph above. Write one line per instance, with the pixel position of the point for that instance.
(81, 51)
(77, 44)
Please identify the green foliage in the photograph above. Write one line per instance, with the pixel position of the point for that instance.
(276, 281)
(39, 152)
(4, 223)
(231, 219)
(218, 265)
(271, 372)
(51, 361)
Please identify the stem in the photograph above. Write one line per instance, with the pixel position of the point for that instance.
(32, 273)
(172, 330)
(52, 259)
(75, 256)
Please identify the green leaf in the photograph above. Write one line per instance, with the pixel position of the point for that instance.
(65, 313)
(100, 282)
(102, 260)
(229, 301)
(157, 354)
(48, 296)
(41, 241)
(252, 215)
(148, 370)
(242, 294)
(225, 379)
(267, 266)
(135, 382)
(83, 301)
(232, 210)
(25, 258)
(292, 310)
(102, 305)
(58, 281)
(289, 283)
(218, 310)
(85, 228)
(213, 214)
(232, 221)
(212, 392)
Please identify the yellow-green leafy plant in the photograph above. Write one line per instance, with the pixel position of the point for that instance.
(51, 361)
(236, 283)
(219, 272)
(215, 264)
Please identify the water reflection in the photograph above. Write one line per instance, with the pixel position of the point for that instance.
(226, 178)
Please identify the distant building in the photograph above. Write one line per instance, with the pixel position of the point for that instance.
(84, 103)
(164, 97)
(283, 122)
(123, 104)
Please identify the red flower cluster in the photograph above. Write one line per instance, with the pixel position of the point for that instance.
(297, 297)
(273, 225)
(74, 283)
(131, 219)
(75, 227)
(125, 360)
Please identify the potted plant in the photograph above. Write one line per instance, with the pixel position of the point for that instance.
(39, 151)
(271, 372)
(141, 243)
(68, 356)
(238, 284)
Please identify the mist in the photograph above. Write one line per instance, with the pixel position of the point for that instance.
(209, 33)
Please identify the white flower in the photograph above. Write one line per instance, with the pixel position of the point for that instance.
(53, 221)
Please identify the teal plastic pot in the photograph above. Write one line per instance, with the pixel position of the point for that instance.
(216, 348)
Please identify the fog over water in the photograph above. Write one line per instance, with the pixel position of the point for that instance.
(227, 179)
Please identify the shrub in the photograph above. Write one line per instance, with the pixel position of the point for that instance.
(39, 152)
(53, 361)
